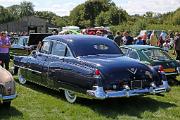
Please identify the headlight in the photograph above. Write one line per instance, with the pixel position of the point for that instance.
(178, 70)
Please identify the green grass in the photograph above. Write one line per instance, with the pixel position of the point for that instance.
(38, 103)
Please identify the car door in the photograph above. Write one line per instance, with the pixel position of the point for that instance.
(37, 62)
(56, 65)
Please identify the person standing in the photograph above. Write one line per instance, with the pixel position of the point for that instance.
(144, 38)
(139, 41)
(127, 39)
(118, 39)
(153, 39)
(177, 45)
(4, 50)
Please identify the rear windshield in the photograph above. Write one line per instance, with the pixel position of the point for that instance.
(96, 47)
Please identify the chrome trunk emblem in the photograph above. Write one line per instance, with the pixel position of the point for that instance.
(133, 70)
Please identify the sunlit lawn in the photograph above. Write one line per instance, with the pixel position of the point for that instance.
(38, 103)
(35, 102)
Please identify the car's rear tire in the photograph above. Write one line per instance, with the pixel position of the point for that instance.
(22, 80)
(6, 104)
(70, 96)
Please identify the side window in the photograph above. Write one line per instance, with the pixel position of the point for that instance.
(46, 47)
(58, 49)
(133, 54)
(124, 50)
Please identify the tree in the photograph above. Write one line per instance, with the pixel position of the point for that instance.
(5, 15)
(26, 9)
(15, 10)
(176, 18)
(96, 12)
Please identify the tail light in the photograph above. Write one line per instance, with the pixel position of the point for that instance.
(97, 74)
(161, 69)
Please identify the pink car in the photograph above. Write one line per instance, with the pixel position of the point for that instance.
(7, 87)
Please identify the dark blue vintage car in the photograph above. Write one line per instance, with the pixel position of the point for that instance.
(88, 66)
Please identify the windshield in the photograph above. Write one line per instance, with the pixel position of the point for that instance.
(22, 41)
(95, 47)
(156, 54)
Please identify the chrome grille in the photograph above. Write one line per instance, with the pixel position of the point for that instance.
(2, 89)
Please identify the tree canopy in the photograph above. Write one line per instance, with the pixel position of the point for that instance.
(95, 13)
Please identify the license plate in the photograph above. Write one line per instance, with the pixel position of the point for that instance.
(170, 70)
(136, 84)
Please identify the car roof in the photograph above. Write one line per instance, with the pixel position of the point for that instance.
(140, 47)
(69, 39)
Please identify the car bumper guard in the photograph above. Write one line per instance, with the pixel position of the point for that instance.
(8, 97)
(99, 93)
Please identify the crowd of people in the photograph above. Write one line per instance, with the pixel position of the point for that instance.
(164, 40)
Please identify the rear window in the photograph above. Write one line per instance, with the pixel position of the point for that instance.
(156, 54)
(95, 47)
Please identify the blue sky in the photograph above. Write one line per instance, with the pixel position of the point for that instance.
(63, 7)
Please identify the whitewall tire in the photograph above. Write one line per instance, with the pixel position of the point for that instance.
(22, 80)
(70, 96)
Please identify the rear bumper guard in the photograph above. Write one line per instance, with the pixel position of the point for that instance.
(99, 93)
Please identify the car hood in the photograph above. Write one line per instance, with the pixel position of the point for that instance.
(5, 75)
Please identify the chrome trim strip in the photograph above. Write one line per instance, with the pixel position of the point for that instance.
(29, 69)
(171, 73)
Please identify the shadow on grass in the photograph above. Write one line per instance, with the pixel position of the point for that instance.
(42, 89)
(7, 113)
(111, 108)
(133, 106)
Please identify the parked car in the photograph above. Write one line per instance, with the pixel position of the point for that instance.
(20, 46)
(7, 87)
(25, 45)
(91, 66)
(153, 56)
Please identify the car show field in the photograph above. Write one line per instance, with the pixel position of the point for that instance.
(36, 102)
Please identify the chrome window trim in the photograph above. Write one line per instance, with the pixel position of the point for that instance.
(135, 52)
(71, 55)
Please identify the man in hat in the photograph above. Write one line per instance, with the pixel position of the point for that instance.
(4, 50)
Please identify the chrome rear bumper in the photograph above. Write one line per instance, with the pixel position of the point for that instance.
(99, 93)
(9, 97)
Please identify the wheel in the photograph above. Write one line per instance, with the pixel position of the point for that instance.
(22, 80)
(6, 104)
(70, 96)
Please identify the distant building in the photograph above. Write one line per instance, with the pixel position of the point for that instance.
(27, 24)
